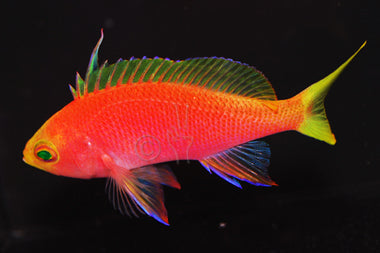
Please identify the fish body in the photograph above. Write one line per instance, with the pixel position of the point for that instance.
(132, 115)
(163, 122)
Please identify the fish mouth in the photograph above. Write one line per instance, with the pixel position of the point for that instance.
(29, 162)
(26, 161)
(25, 154)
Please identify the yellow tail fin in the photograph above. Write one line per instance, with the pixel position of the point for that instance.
(315, 122)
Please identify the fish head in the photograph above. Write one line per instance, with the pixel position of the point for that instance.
(42, 151)
(62, 150)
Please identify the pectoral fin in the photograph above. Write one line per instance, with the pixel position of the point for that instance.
(139, 189)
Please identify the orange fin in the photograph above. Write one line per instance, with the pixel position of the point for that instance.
(247, 162)
(139, 189)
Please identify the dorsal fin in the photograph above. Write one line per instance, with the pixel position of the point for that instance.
(219, 74)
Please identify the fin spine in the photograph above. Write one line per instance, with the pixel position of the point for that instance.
(219, 74)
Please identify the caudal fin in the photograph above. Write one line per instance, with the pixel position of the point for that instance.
(315, 122)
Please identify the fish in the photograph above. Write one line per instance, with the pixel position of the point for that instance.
(129, 118)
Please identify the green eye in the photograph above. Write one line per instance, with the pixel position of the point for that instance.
(44, 155)
(45, 152)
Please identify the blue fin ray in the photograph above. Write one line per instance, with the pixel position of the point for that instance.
(140, 189)
(247, 162)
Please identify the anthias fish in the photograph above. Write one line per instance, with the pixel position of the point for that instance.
(129, 117)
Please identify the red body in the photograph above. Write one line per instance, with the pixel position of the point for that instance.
(156, 122)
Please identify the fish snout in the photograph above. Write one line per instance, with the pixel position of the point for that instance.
(26, 156)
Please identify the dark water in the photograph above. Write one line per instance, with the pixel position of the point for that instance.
(329, 196)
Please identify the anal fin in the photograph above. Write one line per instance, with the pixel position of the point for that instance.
(140, 189)
(247, 162)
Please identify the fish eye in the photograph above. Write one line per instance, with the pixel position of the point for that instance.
(44, 155)
(45, 152)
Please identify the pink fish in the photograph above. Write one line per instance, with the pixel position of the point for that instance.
(129, 116)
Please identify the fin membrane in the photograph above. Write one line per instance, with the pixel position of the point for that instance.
(140, 189)
(315, 122)
(247, 162)
(224, 75)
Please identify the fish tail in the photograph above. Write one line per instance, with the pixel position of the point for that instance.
(315, 123)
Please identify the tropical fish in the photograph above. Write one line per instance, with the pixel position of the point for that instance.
(129, 117)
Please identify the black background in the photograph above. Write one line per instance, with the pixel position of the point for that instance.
(328, 199)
